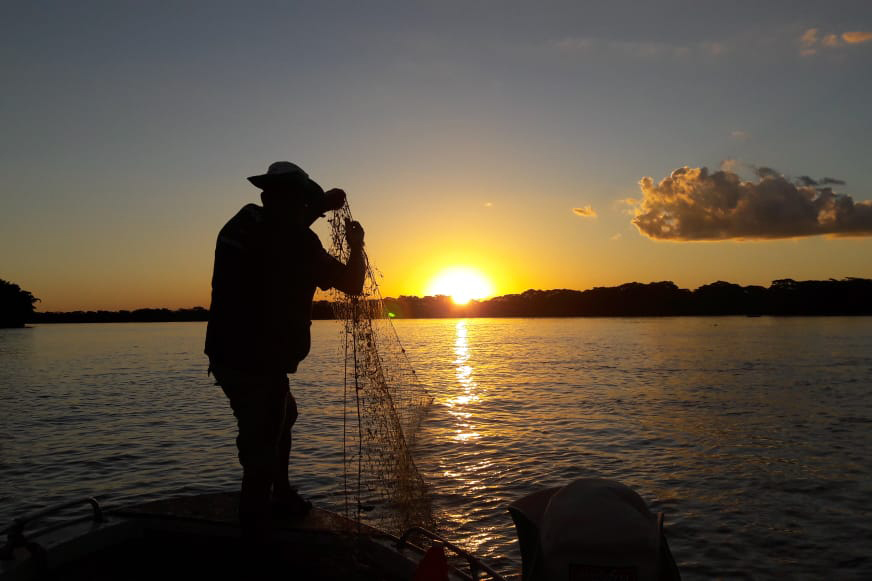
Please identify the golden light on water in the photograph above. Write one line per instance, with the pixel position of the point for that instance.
(464, 407)
(462, 284)
(463, 371)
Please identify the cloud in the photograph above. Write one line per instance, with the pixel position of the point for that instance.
(831, 41)
(572, 44)
(730, 164)
(856, 37)
(765, 172)
(714, 48)
(807, 181)
(810, 41)
(694, 204)
(809, 37)
(585, 212)
(740, 135)
(617, 236)
(638, 49)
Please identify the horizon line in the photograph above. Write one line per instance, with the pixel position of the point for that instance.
(483, 299)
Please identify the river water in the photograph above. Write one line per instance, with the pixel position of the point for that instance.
(752, 435)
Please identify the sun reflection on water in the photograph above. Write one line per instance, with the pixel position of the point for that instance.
(465, 431)
(469, 430)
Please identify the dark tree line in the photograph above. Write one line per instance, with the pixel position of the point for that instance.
(16, 305)
(784, 297)
(135, 316)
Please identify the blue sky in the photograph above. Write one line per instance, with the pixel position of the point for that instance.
(463, 133)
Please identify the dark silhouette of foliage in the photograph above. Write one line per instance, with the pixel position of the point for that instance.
(16, 305)
(784, 297)
(135, 316)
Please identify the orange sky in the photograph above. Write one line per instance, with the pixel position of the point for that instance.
(517, 244)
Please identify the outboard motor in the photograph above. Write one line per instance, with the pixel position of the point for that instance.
(591, 530)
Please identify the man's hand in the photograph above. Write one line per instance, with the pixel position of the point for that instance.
(334, 199)
(354, 234)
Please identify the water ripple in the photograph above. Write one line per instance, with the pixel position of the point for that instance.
(752, 436)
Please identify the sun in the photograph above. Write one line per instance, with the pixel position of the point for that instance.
(462, 284)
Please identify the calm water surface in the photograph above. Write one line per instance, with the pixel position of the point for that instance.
(751, 434)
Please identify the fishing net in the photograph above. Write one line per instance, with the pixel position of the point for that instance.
(384, 405)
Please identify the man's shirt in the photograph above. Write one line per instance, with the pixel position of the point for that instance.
(263, 283)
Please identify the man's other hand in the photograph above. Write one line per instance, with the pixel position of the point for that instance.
(354, 234)
(334, 199)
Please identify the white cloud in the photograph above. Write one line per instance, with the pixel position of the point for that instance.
(694, 204)
(731, 165)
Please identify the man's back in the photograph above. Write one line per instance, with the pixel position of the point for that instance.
(262, 287)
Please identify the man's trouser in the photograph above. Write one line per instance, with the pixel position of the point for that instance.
(265, 412)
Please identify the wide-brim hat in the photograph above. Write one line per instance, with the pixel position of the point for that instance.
(284, 174)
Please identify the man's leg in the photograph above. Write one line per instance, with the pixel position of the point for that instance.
(287, 502)
(281, 485)
(259, 409)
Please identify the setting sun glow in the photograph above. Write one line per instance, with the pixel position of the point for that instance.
(462, 284)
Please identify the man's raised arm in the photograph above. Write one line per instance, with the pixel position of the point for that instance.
(350, 279)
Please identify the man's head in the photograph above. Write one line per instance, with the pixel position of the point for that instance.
(288, 190)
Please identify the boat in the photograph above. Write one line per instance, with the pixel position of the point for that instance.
(588, 530)
(197, 537)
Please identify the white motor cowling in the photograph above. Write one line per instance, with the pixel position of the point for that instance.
(591, 530)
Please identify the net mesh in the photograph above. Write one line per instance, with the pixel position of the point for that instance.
(384, 405)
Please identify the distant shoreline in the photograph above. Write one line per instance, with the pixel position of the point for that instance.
(784, 297)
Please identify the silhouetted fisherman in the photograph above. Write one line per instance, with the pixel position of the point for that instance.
(267, 265)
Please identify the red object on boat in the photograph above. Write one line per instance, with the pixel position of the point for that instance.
(434, 565)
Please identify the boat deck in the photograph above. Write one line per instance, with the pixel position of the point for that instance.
(220, 508)
(197, 537)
